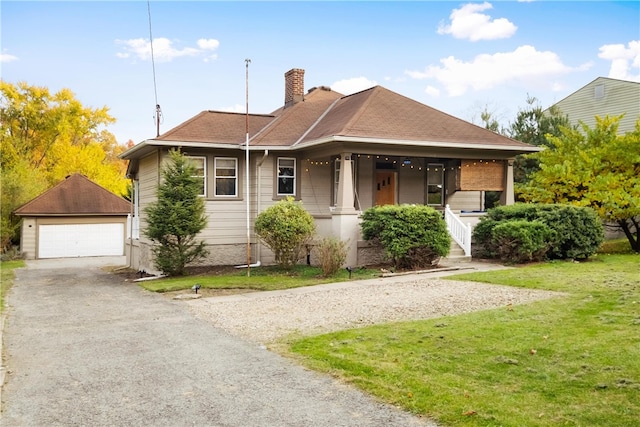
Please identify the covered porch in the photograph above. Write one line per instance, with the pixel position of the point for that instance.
(459, 187)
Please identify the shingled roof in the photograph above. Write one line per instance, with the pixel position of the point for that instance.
(75, 196)
(322, 115)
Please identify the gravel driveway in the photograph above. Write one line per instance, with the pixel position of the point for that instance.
(82, 348)
(265, 317)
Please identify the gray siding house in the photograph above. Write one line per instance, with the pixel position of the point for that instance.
(604, 96)
(338, 155)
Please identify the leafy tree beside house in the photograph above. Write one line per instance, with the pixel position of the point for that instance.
(176, 218)
(595, 168)
(45, 137)
(533, 126)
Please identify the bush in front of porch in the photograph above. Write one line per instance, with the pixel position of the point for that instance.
(413, 236)
(576, 232)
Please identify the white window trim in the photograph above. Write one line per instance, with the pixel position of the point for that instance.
(294, 177)
(204, 177)
(215, 177)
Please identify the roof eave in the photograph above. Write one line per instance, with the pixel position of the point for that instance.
(412, 143)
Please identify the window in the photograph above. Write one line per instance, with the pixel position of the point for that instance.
(286, 176)
(226, 177)
(435, 184)
(200, 166)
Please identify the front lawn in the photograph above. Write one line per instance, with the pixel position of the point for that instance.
(6, 278)
(265, 278)
(571, 360)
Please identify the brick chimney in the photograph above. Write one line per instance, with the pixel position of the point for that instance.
(294, 86)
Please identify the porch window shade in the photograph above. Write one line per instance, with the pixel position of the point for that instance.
(226, 177)
(478, 175)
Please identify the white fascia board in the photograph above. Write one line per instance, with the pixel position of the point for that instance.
(435, 144)
(192, 144)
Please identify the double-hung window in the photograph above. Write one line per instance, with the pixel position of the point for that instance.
(226, 176)
(200, 172)
(286, 176)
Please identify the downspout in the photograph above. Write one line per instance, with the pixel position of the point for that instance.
(131, 202)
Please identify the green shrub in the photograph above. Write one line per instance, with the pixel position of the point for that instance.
(285, 228)
(332, 254)
(576, 232)
(521, 241)
(413, 236)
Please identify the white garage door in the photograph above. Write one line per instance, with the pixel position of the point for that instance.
(78, 240)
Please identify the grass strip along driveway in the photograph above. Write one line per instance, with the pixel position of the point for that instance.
(573, 360)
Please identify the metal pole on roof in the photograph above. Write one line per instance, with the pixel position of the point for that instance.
(247, 62)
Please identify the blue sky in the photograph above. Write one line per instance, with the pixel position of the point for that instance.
(459, 57)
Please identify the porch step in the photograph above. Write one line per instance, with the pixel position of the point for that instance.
(456, 255)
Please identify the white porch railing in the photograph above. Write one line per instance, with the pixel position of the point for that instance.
(133, 231)
(459, 231)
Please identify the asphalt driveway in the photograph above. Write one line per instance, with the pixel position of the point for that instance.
(81, 347)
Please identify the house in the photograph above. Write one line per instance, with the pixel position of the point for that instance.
(337, 154)
(76, 218)
(603, 96)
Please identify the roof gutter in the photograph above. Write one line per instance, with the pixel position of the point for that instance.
(433, 144)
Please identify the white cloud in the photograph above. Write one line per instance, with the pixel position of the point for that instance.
(5, 57)
(432, 91)
(353, 85)
(525, 65)
(468, 23)
(237, 108)
(164, 50)
(623, 60)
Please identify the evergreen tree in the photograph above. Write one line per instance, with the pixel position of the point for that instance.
(176, 218)
(533, 126)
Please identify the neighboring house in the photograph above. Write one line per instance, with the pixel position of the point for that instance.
(76, 218)
(337, 154)
(602, 97)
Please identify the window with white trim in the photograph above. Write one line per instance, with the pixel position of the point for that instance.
(226, 177)
(286, 176)
(199, 164)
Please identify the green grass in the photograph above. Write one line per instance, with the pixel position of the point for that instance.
(616, 246)
(266, 278)
(572, 360)
(6, 278)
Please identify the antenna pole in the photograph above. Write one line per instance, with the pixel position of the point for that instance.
(246, 147)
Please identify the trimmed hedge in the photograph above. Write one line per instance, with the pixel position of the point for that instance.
(575, 232)
(521, 241)
(413, 236)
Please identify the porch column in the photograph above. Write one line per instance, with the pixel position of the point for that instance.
(508, 197)
(345, 221)
(345, 185)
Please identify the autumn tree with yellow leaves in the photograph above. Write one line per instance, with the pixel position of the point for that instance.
(45, 137)
(592, 167)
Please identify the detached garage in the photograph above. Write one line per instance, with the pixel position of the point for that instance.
(76, 218)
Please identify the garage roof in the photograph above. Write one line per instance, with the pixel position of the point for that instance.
(76, 195)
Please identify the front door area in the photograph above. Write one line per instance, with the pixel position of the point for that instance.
(385, 188)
